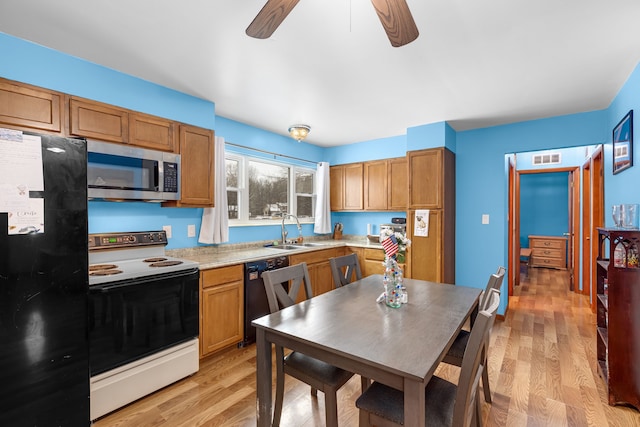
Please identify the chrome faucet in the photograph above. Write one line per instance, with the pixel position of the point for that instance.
(284, 232)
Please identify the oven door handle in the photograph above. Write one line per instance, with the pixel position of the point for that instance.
(107, 287)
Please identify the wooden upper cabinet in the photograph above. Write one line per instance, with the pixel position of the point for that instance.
(353, 186)
(31, 107)
(336, 187)
(430, 173)
(197, 174)
(151, 132)
(375, 185)
(346, 187)
(93, 119)
(398, 184)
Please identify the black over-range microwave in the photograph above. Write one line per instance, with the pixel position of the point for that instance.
(121, 172)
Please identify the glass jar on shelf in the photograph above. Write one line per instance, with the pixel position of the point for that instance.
(632, 257)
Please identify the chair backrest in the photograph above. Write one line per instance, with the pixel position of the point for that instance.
(495, 282)
(274, 280)
(471, 370)
(343, 269)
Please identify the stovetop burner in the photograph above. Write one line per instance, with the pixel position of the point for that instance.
(108, 272)
(156, 259)
(97, 267)
(165, 263)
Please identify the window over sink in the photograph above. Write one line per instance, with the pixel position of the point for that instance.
(260, 191)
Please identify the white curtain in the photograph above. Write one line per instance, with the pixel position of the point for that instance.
(323, 208)
(215, 221)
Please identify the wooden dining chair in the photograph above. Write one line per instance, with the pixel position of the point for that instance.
(495, 282)
(344, 269)
(446, 404)
(318, 374)
(456, 352)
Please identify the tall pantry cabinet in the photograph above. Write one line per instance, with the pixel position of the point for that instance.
(432, 188)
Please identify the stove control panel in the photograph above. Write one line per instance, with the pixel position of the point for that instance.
(101, 241)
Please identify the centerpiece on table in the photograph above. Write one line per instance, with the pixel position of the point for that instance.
(401, 240)
(394, 292)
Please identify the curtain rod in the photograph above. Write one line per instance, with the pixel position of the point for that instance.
(270, 152)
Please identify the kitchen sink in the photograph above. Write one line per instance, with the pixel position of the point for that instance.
(284, 247)
(310, 244)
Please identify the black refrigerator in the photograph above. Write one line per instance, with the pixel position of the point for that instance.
(44, 368)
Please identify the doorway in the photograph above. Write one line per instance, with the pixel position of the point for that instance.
(585, 214)
(555, 216)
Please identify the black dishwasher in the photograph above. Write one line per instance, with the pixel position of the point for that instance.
(255, 297)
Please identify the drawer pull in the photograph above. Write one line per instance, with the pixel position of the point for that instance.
(547, 243)
(547, 252)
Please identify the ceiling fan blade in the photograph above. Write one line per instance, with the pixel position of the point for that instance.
(397, 21)
(269, 18)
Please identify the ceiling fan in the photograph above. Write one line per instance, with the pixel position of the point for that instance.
(394, 15)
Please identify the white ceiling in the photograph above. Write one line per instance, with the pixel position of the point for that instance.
(476, 63)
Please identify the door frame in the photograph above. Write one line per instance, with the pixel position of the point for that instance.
(597, 213)
(586, 227)
(514, 206)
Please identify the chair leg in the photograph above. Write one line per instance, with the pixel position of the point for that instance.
(277, 413)
(478, 412)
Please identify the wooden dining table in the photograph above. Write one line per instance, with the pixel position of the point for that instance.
(400, 347)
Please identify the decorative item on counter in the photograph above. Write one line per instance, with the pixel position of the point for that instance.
(400, 240)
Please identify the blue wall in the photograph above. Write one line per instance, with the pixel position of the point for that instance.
(481, 184)
(544, 205)
(623, 187)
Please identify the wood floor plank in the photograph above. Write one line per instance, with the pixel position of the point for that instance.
(541, 362)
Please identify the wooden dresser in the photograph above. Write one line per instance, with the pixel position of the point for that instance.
(548, 251)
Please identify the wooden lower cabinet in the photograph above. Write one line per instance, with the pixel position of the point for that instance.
(319, 270)
(374, 262)
(221, 308)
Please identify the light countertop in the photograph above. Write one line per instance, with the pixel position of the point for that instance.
(221, 256)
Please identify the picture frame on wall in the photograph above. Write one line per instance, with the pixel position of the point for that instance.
(623, 144)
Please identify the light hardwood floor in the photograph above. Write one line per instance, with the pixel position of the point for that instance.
(542, 369)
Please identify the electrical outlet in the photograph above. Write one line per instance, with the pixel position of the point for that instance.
(167, 228)
(191, 230)
(485, 218)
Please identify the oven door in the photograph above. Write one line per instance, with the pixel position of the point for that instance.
(134, 318)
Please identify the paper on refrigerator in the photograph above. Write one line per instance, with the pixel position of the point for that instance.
(21, 172)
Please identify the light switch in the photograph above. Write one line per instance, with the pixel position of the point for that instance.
(191, 230)
(485, 218)
(167, 228)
